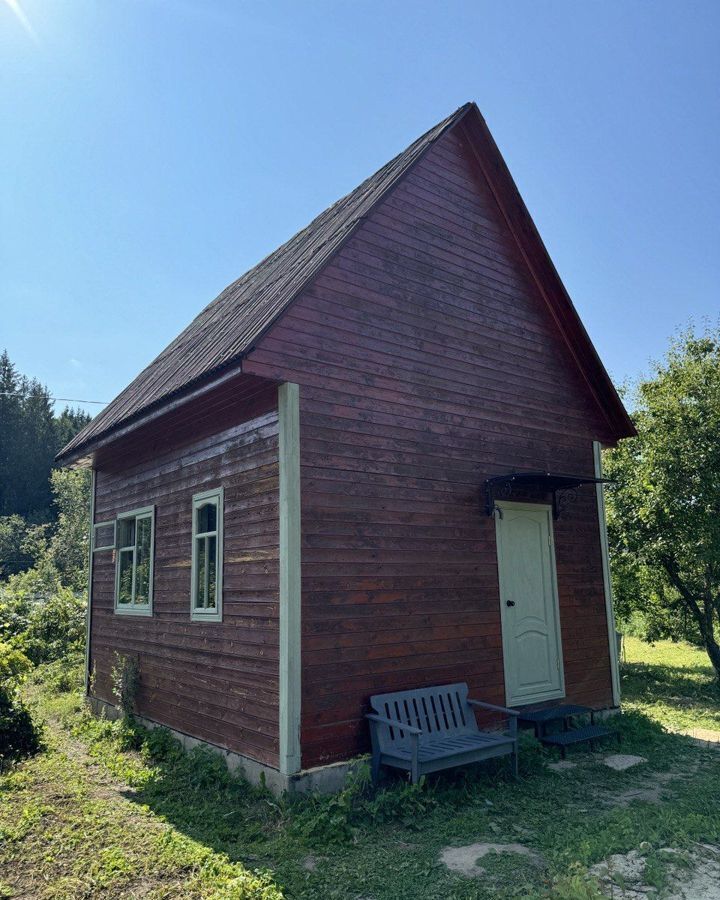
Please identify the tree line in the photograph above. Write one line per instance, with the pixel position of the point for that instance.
(35, 508)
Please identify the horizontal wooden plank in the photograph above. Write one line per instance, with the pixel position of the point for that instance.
(427, 362)
(215, 681)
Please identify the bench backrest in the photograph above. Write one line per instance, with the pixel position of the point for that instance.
(438, 711)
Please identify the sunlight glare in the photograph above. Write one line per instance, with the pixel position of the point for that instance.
(14, 6)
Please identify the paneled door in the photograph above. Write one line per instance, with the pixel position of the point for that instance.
(532, 643)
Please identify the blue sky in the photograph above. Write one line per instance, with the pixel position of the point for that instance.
(153, 150)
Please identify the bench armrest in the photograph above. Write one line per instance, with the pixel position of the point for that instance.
(411, 729)
(502, 709)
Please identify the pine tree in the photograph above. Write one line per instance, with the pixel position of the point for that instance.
(10, 419)
(30, 436)
(68, 423)
(39, 439)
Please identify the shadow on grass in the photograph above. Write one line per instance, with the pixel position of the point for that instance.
(397, 831)
(195, 793)
(682, 686)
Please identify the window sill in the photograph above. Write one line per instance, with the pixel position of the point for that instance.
(206, 617)
(143, 612)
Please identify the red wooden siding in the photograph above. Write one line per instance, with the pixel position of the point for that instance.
(215, 681)
(427, 362)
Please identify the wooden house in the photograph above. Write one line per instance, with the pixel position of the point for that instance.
(345, 471)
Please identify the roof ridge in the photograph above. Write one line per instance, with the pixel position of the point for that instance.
(262, 293)
(230, 326)
(440, 127)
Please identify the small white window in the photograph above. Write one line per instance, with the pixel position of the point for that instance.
(207, 557)
(135, 536)
(103, 537)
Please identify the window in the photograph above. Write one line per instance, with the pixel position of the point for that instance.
(134, 562)
(207, 541)
(103, 536)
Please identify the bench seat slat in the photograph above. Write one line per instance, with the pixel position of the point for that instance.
(449, 747)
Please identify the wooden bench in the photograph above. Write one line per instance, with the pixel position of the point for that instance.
(434, 728)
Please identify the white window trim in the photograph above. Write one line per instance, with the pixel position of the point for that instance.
(214, 615)
(133, 610)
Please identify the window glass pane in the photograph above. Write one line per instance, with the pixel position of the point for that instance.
(126, 533)
(200, 570)
(142, 561)
(125, 566)
(212, 574)
(206, 517)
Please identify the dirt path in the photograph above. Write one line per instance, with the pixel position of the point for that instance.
(61, 821)
(69, 830)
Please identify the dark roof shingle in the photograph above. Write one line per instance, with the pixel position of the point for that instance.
(232, 323)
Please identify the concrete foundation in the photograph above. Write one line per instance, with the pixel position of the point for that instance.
(322, 779)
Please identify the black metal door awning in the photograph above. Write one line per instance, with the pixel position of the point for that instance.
(562, 487)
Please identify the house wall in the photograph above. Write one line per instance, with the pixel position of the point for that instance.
(214, 681)
(427, 362)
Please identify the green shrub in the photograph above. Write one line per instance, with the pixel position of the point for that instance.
(336, 818)
(405, 803)
(14, 665)
(62, 675)
(126, 682)
(55, 627)
(15, 556)
(14, 612)
(19, 735)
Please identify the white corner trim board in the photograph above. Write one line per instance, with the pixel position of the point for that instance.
(290, 663)
(604, 550)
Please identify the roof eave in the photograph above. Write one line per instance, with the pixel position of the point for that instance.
(81, 455)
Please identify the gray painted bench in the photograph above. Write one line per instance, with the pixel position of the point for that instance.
(434, 728)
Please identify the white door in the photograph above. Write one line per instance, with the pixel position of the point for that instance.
(532, 645)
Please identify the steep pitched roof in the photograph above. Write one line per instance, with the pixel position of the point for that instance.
(218, 338)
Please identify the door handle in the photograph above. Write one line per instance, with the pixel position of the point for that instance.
(509, 603)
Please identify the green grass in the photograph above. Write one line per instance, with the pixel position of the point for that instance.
(68, 829)
(673, 684)
(116, 812)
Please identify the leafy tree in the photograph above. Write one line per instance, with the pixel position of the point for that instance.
(68, 546)
(28, 438)
(664, 511)
(15, 554)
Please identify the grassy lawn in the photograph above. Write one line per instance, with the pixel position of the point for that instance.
(108, 811)
(673, 684)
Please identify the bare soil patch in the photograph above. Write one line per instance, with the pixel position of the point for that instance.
(695, 876)
(464, 860)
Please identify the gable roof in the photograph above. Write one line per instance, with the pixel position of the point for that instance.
(229, 327)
